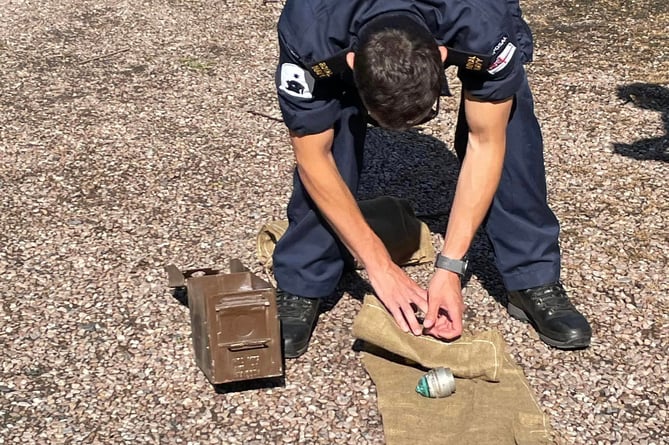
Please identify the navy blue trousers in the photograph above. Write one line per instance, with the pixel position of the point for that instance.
(309, 260)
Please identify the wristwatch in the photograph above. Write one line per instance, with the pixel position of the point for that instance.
(457, 266)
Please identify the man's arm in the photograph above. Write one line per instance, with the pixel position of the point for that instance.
(478, 180)
(319, 174)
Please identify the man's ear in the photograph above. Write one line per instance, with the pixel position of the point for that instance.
(444, 52)
(350, 57)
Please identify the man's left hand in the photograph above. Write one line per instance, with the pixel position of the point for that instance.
(445, 306)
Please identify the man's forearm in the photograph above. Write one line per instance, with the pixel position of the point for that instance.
(480, 173)
(477, 183)
(321, 179)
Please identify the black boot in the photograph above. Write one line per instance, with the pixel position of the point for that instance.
(555, 319)
(298, 317)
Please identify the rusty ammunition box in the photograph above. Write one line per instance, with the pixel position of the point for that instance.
(235, 324)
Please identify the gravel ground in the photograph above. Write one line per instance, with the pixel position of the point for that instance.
(137, 134)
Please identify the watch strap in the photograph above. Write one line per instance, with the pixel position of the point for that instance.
(456, 266)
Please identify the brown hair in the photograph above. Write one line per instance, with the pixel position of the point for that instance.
(398, 71)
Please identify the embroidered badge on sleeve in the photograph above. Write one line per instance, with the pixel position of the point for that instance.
(296, 81)
(504, 51)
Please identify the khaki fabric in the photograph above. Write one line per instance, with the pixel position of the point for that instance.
(407, 239)
(492, 403)
(469, 357)
(266, 240)
(270, 233)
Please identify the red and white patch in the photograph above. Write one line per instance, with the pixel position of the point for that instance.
(502, 59)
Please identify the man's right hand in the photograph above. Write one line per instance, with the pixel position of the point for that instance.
(399, 293)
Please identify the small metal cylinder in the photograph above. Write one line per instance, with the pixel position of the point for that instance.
(437, 383)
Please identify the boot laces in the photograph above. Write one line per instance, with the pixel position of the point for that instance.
(552, 296)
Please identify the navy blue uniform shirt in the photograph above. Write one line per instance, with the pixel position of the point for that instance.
(489, 33)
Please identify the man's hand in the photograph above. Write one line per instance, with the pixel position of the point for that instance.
(445, 306)
(399, 293)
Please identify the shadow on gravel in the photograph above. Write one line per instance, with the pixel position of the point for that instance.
(181, 295)
(249, 385)
(647, 97)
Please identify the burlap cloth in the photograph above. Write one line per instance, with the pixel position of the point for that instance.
(492, 403)
(407, 239)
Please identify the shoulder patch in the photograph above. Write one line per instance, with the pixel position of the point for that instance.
(296, 81)
(503, 58)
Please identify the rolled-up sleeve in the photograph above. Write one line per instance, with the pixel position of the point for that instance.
(494, 87)
(491, 32)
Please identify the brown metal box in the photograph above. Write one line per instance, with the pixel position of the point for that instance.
(235, 325)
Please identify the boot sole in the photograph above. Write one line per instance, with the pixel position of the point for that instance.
(574, 343)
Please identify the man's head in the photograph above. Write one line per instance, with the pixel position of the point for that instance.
(398, 70)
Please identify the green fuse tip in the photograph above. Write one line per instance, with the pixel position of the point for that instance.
(423, 388)
(437, 383)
